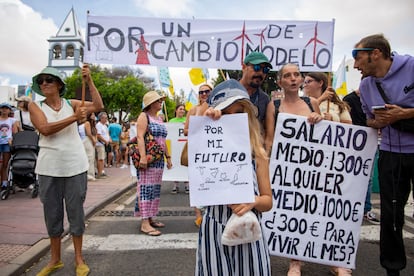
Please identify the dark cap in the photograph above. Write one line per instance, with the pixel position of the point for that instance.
(257, 58)
(6, 105)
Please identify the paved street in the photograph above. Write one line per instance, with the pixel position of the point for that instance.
(113, 244)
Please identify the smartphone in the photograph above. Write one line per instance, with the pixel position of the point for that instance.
(378, 107)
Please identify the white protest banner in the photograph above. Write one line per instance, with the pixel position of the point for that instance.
(319, 176)
(175, 142)
(219, 161)
(207, 43)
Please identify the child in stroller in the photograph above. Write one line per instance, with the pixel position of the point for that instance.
(24, 150)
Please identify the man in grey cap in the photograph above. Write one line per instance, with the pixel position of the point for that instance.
(255, 68)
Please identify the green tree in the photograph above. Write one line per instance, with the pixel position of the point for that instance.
(122, 90)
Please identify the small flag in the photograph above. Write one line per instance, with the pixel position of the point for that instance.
(206, 73)
(171, 88)
(197, 76)
(191, 100)
(164, 74)
(28, 91)
(339, 82)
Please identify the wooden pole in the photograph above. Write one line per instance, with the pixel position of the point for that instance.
(165, 111)
(222, 74)
(329, 84)
(83, 91)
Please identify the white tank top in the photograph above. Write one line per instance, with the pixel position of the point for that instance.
(61, 154)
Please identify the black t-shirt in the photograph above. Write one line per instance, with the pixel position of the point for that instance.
(357, 114)
(260, 99)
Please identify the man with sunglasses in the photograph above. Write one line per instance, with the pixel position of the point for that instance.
(255, 68)
(388, 80)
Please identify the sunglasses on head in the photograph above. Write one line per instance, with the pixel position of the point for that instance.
(204, 92)
(257, 68)
(356, 50)
(48, 79)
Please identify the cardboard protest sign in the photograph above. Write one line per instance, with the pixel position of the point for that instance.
(219, 161)
(319, 176)
(175, 142)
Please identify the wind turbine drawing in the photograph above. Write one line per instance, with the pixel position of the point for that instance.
(262, 38)
(315, 41)
(242, 37)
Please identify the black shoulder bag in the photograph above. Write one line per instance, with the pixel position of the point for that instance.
(406, 125)
(24, 126)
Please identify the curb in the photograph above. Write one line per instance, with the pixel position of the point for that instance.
(20, 264)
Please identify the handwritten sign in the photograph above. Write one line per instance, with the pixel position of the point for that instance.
(207, 43)
(319, 176)
(220, 164)
(175, 142)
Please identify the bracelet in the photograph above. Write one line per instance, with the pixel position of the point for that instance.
(167, 156)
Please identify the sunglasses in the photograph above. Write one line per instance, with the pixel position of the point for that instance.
(204, 92)
(356, 50)
(308, 81)
(257, 68)
(48, 79)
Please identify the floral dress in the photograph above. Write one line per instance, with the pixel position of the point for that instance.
(214, 258)
(149, 180)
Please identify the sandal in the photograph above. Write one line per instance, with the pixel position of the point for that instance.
(47, 270)
(152, 233)
(157, 224)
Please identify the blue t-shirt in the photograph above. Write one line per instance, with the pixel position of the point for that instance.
(115, 131)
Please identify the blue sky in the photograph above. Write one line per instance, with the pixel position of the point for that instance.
(31, 22)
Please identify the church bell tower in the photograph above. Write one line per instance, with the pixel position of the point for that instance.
(67, 47)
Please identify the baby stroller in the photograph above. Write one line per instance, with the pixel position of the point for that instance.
(22, 163)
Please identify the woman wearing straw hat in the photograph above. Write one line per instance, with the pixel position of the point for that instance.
(150, 175)
(62, 163)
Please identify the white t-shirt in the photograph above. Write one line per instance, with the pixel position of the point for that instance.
(102, 130)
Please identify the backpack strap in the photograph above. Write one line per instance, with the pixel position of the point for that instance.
(277, 102)
(308, 102)
(277, 105)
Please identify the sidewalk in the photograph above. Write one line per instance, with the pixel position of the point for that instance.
(23, 235)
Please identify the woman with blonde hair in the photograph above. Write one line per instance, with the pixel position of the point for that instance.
(250, 258)
(198, 110)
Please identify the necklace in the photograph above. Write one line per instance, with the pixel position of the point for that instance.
(56, 108)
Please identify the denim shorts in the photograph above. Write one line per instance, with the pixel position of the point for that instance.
(4, 148)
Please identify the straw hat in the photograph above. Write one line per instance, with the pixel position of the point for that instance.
(48, 71)
(151, 97)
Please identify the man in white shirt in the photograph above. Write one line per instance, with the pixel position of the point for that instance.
(103, 143)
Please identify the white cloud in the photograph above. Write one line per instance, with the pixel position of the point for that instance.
(166, 8)
(27, 32)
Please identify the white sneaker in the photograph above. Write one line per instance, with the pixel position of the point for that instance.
(124, 166)
(371, 217)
